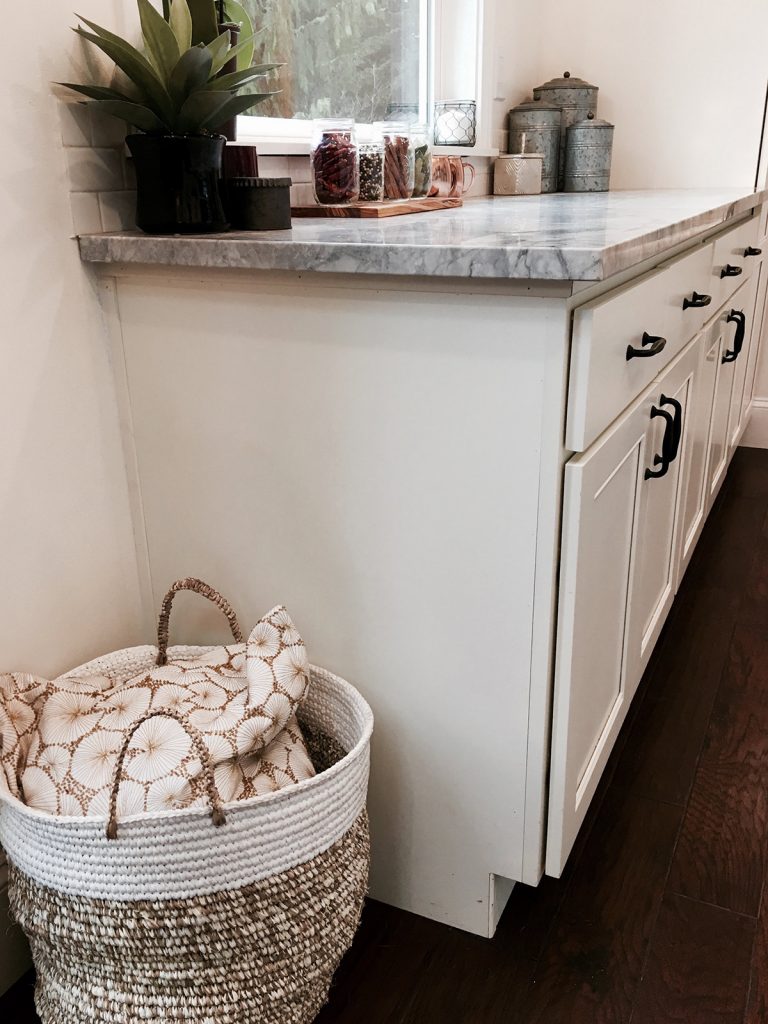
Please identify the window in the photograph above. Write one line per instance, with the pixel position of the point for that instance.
(344, 58)
(370, 60)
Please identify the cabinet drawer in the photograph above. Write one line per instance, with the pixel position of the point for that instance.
(603, 381)
(731, 260)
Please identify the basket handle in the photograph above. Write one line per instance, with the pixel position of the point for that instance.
(217, 811)
(190, 583)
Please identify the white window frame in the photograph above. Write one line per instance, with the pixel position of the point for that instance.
(454, 35)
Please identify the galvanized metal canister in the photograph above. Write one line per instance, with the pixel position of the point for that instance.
(534, 127)
(588, 152)
(576, 98)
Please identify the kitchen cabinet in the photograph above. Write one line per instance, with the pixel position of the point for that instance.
(617, 583)
(440, 468)
(636, 500)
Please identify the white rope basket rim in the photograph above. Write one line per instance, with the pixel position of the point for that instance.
(264, 800)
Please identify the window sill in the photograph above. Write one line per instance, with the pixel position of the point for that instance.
(300, 147)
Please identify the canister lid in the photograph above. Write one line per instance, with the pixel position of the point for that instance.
(259, 182)
(566, 82)
(535, 105)
(590, 121)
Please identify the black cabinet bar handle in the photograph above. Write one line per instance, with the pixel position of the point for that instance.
(652, 345)
(677, 432)
(664, 461)
(697, 301)
(738, 317)
(752, 251)
(730, 271)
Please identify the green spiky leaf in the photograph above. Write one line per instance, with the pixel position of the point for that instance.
(219, 51)
(234, 51)
(136, 67)
(235, 105)
(205, 24)
(238, 79)
(134, 113)
(161, 42)
(203, 110)
(238, 14)
(97, 92)
(181, 24)
(191, 73)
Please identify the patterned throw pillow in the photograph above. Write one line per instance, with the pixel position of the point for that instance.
(60, 739)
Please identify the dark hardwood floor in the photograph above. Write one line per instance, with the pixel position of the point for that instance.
(661, 916)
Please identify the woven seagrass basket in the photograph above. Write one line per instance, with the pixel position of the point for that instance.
(174, 919)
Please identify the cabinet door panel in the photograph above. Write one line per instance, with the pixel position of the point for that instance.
(744, 301)
(617, 584)
(717, 455)
(655, 579)
(600, 513)
(693, 502)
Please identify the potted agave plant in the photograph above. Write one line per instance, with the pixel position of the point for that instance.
(180, 93)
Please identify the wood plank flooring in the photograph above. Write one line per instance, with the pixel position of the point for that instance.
(661, 916)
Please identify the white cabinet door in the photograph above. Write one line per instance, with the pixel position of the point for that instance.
(744, 307)
(694, 495)
(617, 583)
(720, 345)
(654, 584)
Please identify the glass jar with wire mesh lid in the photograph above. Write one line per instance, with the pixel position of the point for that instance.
(456, 123)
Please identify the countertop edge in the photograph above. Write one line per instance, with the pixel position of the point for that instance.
(502, 262)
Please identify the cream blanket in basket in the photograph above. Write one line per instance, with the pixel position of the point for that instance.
(60, 738)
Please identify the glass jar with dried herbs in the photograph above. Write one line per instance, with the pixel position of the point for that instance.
(335, 162)
(399, 168)
(421, 138)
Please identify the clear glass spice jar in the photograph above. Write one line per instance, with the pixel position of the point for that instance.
(335, 162)
(399, 169)
(421, 138)
(371, 150)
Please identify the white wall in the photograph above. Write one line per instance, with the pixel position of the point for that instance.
(683, 80)
(69, 573)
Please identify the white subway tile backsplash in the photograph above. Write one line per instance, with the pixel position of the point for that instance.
(300, 169)
(94, 170)
(106, 130)
(118, 210)
(75, 122)
(274, 166)
(86, 212)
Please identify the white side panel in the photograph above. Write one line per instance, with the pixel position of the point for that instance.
(372, 459)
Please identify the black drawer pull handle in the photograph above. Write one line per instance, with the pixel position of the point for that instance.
(662, 460)
(673, 433)
(652, 345)
(752, 251)
(697, 301)
(738, 317)
(730, 271)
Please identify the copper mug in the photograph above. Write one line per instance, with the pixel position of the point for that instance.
(451, 177)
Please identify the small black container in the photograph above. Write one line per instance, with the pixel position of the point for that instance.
(177, 183)
(259, 204)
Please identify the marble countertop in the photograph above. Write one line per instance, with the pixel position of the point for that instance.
(558, 237)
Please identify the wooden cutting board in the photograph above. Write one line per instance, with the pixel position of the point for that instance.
(398, 208)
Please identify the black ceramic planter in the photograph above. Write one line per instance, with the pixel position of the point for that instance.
(177, 182)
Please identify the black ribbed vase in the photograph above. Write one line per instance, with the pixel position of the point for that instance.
(177, 183)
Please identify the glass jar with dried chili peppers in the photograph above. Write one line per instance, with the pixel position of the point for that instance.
(335, 162)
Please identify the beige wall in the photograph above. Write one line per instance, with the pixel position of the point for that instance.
(69, 573)
(683, 80)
